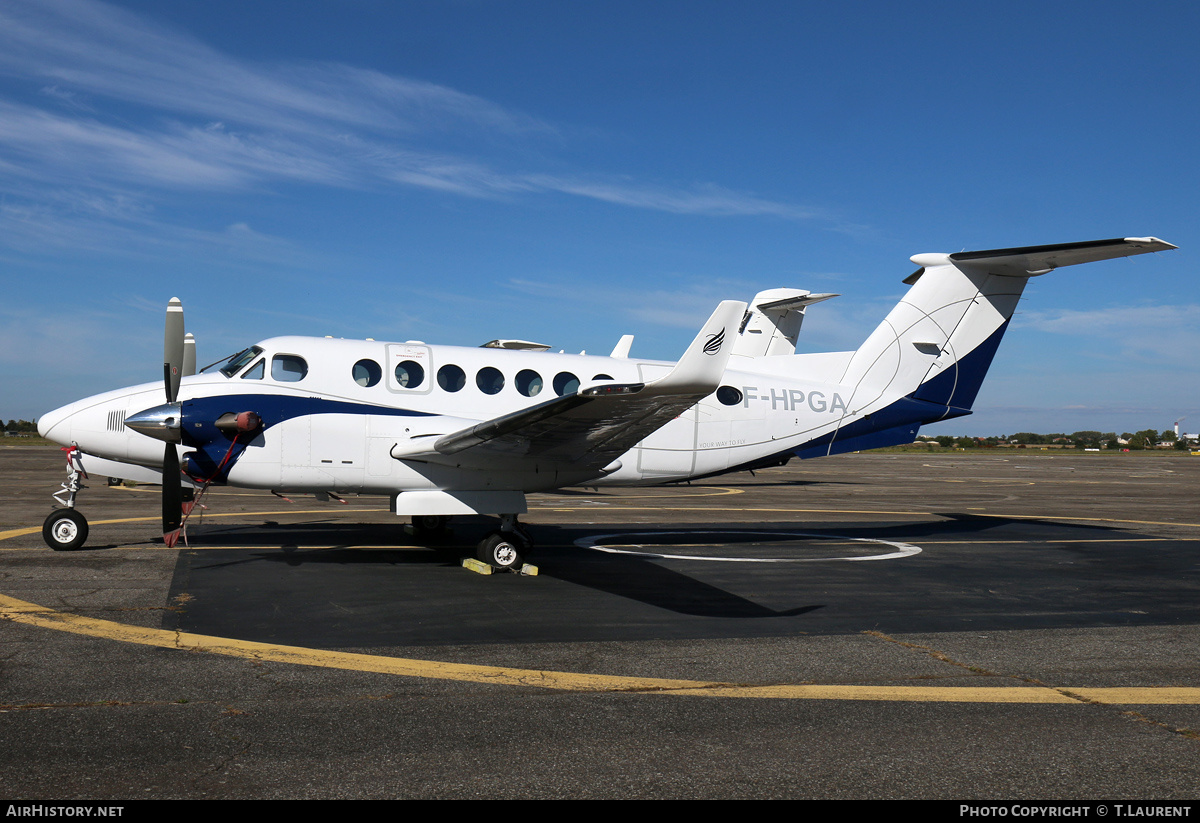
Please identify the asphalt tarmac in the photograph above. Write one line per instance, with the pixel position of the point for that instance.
(994, 626)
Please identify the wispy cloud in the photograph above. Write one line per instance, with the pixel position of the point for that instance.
(87, 223)
(1161, 335)
(201, 119)
(106, 51)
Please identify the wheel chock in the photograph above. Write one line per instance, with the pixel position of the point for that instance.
(477, 566)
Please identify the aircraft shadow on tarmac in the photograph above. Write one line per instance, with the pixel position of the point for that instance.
(343, 585)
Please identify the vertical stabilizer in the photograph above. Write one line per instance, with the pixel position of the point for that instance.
(936, 345)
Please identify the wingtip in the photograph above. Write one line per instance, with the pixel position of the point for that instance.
(1160, 245)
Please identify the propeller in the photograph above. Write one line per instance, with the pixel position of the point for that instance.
(165, 422)
(189, 355)
(174, 351)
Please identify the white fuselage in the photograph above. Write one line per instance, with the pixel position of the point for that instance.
(381, 395)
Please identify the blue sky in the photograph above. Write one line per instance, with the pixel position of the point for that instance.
(568, 172)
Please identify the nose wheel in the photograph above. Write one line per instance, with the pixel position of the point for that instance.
(65, 529)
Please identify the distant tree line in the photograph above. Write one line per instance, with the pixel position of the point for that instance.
(1145, 439)
(21, 426)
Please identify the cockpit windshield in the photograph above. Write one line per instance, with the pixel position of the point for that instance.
(237, 362)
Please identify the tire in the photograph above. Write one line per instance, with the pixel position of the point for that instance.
(503, 551)
(429, 524)
(65, 529)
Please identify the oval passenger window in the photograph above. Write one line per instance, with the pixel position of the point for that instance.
(451, 377)
(411, 374)
(367, 373)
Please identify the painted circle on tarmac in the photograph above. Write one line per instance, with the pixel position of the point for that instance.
(783, 546)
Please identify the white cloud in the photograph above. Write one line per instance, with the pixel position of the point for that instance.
(206, 120)
(1163, 335)
(106, 51)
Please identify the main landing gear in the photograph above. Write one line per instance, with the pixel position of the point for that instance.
(507, 547)
(504, 549)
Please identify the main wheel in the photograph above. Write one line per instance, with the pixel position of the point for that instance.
(65, 529)
(501, 550)
(429, 524)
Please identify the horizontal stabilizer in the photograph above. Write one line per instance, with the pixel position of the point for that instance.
(1034, 260)
(517, 345)
(772, 324)
(799, 302)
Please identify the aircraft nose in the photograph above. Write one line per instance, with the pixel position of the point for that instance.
(55, 425)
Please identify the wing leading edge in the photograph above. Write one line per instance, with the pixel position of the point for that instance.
(588, 430)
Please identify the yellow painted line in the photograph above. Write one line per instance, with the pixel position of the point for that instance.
(19, 532)
(12, 533)
(916, 694)
(887, 513)
(1165, 695)
(31, 614)
(5, 535)
(686, 491)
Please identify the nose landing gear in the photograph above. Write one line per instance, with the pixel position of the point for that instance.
(66, 529)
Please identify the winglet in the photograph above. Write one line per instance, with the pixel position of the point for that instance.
(699, 370)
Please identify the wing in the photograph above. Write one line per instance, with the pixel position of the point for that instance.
(588, 430)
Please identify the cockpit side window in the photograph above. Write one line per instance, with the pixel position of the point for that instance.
(288, 368)
(238, 361)
(256, 371)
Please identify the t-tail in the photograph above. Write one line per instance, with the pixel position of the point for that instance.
(927, 359)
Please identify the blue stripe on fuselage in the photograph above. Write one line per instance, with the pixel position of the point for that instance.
(201, 433)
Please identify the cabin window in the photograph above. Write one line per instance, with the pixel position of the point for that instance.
(256, 371)
(367, 373)
(288, 368)
(729, 395)
(451, 377)
(489, 380)
(565, 383)
(603, 377)
(411, 374)
(529, 383)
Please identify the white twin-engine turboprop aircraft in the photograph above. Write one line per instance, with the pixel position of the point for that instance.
(445, 430)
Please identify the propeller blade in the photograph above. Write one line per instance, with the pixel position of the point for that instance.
(189, 355)
(173, 349)
(172, 497)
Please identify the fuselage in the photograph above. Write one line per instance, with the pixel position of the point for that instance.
(335, 411)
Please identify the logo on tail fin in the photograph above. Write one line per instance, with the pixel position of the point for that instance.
(714, 342)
